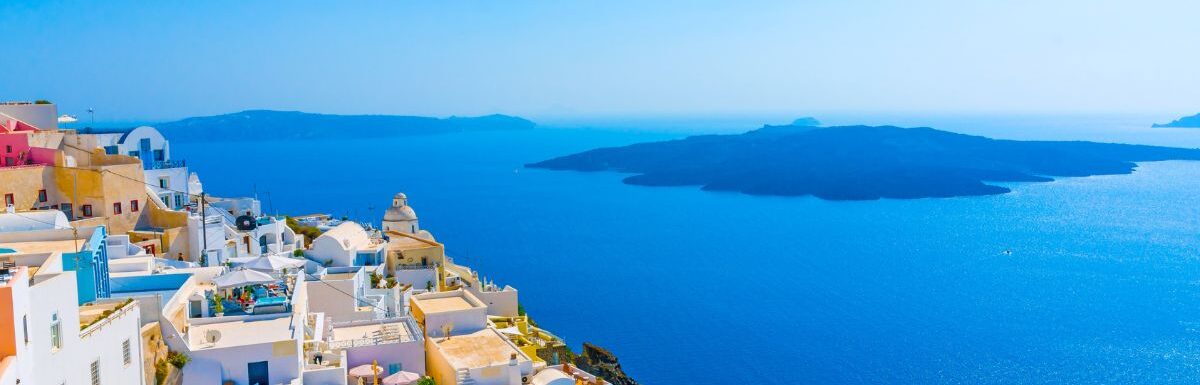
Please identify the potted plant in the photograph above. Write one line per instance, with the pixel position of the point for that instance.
(220, 306)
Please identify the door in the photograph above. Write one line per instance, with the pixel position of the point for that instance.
(145, 153)
(67, 209)
(257, 373)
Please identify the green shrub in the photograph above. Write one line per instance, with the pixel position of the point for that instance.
(178, 359)
(160, 372)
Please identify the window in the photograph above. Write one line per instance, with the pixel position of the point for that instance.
(163, 182)
(87, 211)
(110, 150)
(394, 368)
(179, 201)
(25, 327)
(55, 332)
(126, 353)
(96, 372)
(9, 199)
(133, 205)
(159, 156)
(116, 208)
(8, 148)
(133, 154)
(42, 196)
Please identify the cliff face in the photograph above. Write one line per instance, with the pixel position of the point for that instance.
(601, 362)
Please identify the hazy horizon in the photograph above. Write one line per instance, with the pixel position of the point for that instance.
(157, 62)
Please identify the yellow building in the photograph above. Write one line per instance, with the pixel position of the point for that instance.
(91, 187)
(404, 250)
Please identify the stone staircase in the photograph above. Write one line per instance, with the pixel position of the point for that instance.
(464, 377)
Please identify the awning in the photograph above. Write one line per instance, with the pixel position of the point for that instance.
(242, 278)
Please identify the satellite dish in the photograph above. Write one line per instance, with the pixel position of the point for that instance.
(212, 336)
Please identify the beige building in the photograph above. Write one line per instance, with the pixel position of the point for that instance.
(408, 250)
(87, 186)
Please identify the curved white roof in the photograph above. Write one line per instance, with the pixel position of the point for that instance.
(348, 234)
(551, 376)
(400, 213)
(33, 220)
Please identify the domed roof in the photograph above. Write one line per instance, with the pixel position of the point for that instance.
(400, 213)
(400, 196)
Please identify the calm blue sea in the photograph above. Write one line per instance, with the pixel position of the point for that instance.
(685, 286)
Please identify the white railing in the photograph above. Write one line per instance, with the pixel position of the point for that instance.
(100, 323)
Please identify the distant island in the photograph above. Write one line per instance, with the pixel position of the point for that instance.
(807, 121)
(1184, 122)
(254, 125)
(859, 162)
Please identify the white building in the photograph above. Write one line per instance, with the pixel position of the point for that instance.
(236, 347)
(347, 244)
(461, 348)
(167, 177)
(50, 339)
(33, 220)
(345, 294)
(394, 344)
(223, 235)
(400, 217)
(500, 301)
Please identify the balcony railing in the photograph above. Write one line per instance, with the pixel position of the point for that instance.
(173, 163)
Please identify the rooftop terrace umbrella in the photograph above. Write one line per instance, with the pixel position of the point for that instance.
(269, 263)
(242, 278)
(363, 371)
(401, 378)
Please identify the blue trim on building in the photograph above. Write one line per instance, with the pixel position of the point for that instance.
(90, 265)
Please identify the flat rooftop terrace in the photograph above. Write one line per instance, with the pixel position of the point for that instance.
(439, 305)
(241, 332)
(338, 276)
(478, 349)
(398, 241)
(43, 247)
(387, 332)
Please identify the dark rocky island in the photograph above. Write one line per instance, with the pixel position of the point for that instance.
(1185, 122)
(284, 125)
(859, 162)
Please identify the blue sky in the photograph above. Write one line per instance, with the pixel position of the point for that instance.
(165, 60)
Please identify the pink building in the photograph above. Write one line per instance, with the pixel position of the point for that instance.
(14, 144)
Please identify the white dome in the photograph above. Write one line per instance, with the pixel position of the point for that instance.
(400, 196)
(551, 376)
(400, 213)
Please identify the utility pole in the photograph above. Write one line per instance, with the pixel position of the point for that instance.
(203, 232)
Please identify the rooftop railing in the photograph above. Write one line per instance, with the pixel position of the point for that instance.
(107, 319)
(391, 331)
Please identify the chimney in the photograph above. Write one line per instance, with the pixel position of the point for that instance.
(512, 359)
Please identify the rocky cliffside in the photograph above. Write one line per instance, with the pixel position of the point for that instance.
(601, 362)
